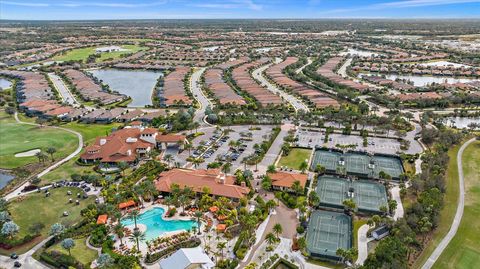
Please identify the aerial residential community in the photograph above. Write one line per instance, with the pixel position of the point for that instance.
(240, 134)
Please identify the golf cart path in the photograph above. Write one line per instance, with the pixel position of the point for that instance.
(18, 191)
(458, 215)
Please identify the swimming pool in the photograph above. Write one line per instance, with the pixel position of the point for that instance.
(156, 225)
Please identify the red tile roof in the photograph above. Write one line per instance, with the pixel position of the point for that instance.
(218, 183)
(284, 179)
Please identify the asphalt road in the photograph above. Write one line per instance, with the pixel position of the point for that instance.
(295, 102)
(196, 88)
(458, 215)
(60, 86)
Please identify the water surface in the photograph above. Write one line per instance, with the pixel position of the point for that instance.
(137, 84)
(5, 178)
(157, 226)
(5, 83)
(421, 81)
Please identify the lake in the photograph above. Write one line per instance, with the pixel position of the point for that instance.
(461, 122)
(138, 84)
(363, 53)
(5, 178)
(421, 81)
(5, 83)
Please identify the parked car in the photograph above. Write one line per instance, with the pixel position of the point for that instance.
(14, 256)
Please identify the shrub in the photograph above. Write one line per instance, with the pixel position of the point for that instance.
(300, 229)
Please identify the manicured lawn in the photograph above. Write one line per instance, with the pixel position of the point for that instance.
(91, 131)
(80, 251)
(448, 211)
(356, 225)
(295, 158)
(36, 208)
(81, 54)
(464, 250)
(16, 138)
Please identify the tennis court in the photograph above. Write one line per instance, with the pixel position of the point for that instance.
(389, 165)
(327, 159)
(328, 231)
(368, 195)
(358, 164)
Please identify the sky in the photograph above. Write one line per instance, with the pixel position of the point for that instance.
(232, 9)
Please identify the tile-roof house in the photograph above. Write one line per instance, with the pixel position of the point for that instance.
(124, 145)
(219, 184)
(284, 180)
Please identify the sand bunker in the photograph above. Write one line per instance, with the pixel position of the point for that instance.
(29, 153)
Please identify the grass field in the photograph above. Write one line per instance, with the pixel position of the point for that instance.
(82, 54)
(295, 158)
(17, 138)
(463, 252)
(448, 211)
(89, 133)
(36, 208)
(80, 251)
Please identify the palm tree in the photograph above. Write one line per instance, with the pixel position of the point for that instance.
(168, 158)
(41, 156)
(277, 230)
(188, 147)
(297, 187)
(303, 167)
(119, 231)
(221, 246)
(198, 161)
(122, 166)
(137, 236)
(51, 151)
(226, 167)
(133, 215)
(270, 238)
(198, 216)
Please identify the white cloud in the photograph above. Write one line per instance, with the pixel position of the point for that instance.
(24, 4)
(85, 4)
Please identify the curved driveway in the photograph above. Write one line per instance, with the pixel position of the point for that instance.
(18, 191)
(458, 216)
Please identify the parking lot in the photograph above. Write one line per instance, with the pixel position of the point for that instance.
(214, 146)
(375, 144)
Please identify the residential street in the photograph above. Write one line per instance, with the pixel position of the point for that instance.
(63, 90)
(196, 88)
(295, 102)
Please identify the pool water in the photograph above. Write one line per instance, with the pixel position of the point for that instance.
(157, 226)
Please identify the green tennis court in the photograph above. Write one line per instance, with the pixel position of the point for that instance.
(368, 195)
(328, 231)
(358, 164)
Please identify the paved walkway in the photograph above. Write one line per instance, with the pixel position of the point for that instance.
(458, 216)
(18, 191)
(283, 215)
(363, 244)
(395, 191)
(274, 150)
(309, 61)
(25, 259)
